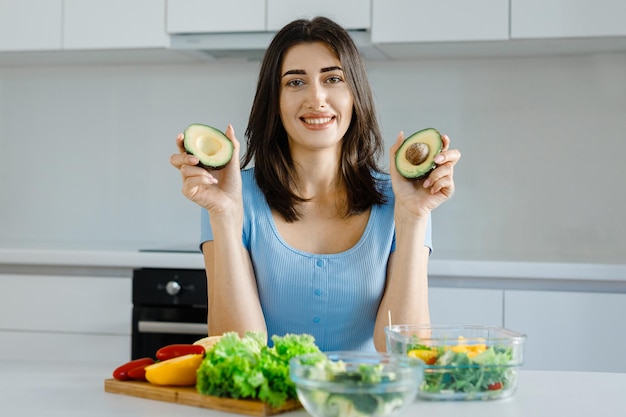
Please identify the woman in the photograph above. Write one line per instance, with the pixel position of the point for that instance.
(315, 238)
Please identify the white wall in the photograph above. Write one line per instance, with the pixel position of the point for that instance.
(84, 150)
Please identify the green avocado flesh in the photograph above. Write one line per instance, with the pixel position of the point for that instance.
(415, 158)
(209, 145)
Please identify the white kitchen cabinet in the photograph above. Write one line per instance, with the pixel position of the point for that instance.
(65, 317)
(569, 331)
(403, 21)
(207, 16)
(30, 25)
(351, 14)
(567, 18)
(465, 306)
(215, 16)
(114, 24)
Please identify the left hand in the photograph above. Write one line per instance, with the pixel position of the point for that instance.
(419, 197)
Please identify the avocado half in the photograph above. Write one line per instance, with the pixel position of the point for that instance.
(415, 158)
(209, 145)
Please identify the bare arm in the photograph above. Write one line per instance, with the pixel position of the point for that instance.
(232, 292)
(406, 289)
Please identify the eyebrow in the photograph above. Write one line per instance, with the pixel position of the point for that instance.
(300, 72)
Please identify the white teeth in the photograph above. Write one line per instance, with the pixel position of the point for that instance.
(318, 121)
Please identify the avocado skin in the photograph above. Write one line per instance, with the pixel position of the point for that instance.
(429, 164)
(216, 132)
(208, 167)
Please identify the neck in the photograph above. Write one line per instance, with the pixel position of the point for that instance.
(317, 175)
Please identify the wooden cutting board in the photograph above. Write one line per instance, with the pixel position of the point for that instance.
(189, 396)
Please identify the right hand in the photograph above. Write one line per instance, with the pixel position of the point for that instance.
(219, 191)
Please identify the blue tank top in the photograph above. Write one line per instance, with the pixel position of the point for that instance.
(333, 297)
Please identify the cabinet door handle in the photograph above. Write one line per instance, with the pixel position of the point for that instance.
(172, 327)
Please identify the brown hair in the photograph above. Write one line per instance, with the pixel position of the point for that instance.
(267, 139)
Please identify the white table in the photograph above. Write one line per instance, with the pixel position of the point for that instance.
(67, 389)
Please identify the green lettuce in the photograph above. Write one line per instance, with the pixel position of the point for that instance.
(457, 372)
(245, 367)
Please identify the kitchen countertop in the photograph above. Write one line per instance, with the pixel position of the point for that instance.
(101, 258)
(132, 257)
(54, 388)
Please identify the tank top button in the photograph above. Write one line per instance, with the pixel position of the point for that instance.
(320, 263)
(316, 319)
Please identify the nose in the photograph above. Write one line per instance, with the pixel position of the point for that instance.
(317, 96)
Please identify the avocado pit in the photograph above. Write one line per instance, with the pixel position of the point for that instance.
(417, 153)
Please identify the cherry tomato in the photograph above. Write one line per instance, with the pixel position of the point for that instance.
(495, 386)
(121, 372)
(174, 351)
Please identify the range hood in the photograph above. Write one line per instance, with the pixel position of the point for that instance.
(252, 45)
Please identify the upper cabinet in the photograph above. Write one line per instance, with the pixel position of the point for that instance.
(383, 29)
(567, 18)
(30, 25)
(403, 21)
(237, 16)
(114, 24)
(246, 27)
(215, 16)
(351, 14)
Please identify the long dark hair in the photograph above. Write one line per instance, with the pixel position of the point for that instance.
(267, 141)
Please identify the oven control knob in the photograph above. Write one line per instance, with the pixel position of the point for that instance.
(172, 288)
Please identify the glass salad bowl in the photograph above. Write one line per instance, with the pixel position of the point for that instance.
(462, 362)
(350, 384)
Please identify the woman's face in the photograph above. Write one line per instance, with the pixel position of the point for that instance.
(315, 100)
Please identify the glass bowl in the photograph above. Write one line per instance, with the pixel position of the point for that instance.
(462, 362)
(350, 384)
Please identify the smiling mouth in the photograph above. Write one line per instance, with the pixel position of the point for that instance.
(317, 121)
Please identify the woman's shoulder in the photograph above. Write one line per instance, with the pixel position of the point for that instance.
(249, 186)
(381, 176)
(247, 175)
(383, 182)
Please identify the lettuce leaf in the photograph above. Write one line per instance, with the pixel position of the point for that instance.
(245, 367)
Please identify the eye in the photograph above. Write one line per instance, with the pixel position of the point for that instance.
(296, 82)
(334, 79)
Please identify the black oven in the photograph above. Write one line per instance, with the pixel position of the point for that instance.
(169, 306)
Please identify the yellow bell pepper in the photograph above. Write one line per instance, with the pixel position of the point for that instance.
(179, 371)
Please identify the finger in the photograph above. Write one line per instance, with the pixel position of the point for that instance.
(446, 142)
(189, 170)
(197, 181)
(440, 158)
(444, 185)
(179, 160)
(191, 188)
(394, 149)
(233, 165)
(179, 143)
(440, 178)
(230, 134)
(453, 156)
(195, 185)
(398, 143)
(450, 156)
(438, 173)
